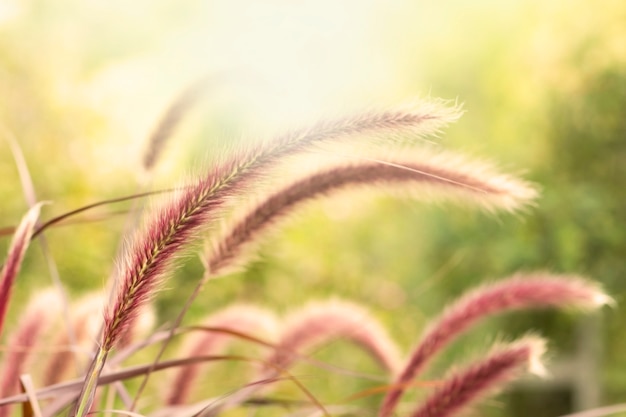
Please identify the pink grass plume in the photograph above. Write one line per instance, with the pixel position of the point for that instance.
(423, 175)
(522, 291)
(33, 324)
(466, 386)
(322, 322)
(239, 318)
(153, 250)
(17, 250)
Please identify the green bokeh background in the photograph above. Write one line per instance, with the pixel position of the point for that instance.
(544, 88)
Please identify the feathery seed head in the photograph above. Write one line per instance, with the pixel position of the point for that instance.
(17, 250)
(466, 386)
(38, 315)
(522, 291)
(321, 322)
(420, 174)
(246, 319)
(174, 226)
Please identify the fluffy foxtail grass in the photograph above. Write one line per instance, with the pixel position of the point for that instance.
(469, 385)
(85, 321)
(243, 319)
(316, 325)
(17, 250)
(518, 292)
(322, 322)
(170, 120)
(24, 341)
(86, 318)
(153, 250)
(424, 175)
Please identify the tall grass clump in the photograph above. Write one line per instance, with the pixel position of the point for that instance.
(232, 206)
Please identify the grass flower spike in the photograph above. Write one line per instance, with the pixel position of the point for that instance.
(153, 250)
(244, 319)
(466, 386)
(36, 319)
(424, 175)
(519, 292)
(321, 322)
(246, 193)
(13, 262)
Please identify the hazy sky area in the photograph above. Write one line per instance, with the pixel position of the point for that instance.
(278, 63)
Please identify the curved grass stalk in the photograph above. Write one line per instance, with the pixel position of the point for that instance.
(424, 176)
(238, 318)
(519, 292)
(152, 251)
(321, 322)
(15, 256)
(34, 322)
(466, 386)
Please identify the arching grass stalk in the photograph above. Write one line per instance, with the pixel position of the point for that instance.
(423, 175)
(468, 385)
(238, 318)
(153, 250)
(522, 291)
(427, 175)
(17, 250)
(315, 325)
(318, 323)
(34, 323)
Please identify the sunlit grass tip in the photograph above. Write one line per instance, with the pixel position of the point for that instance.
(245, 319)
(15, 256)
(419, 174)
(321, 322)
(521, 291)
(463, 387)
(29, 334)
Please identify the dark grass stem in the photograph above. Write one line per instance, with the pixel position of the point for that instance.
(72, 213)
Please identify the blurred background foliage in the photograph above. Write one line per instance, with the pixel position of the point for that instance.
(543, 83)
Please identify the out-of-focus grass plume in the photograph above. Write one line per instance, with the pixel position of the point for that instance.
(543, 83)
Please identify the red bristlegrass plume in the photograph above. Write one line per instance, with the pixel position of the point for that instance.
(153, 250)
(170, 120)
(422, 175)
(244, 319)
(26, 337)
(17, 250)
(315, 325)
(86, 318)
(466, 386)
(321, 322)
(521, 291)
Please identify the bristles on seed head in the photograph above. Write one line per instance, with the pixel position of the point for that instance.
(522, 291)
(17, 250)
(321, 322)
(466, 386)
